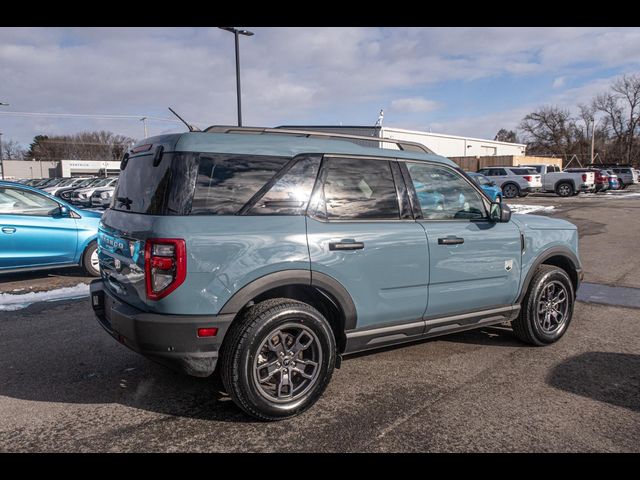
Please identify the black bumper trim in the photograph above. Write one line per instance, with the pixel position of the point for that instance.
(167, 339)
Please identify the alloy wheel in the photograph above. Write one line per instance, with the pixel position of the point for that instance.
(553, 307)
(288, 363)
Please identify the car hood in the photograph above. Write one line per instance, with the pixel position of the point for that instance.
(539, 222)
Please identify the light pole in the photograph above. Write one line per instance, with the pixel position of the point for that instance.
(237, 32)
(1, 157)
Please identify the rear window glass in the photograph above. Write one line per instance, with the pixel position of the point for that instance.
(523, 171)
(142, 187)
(193, 183)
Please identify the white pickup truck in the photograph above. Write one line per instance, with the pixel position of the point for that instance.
(564, 184)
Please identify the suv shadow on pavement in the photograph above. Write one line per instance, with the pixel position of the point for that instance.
(607, 377)
(79, 365)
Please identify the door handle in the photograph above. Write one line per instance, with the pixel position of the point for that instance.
(451, 240)
(346, 245)
(8, 230)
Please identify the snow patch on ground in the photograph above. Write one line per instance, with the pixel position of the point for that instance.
(10, 302)
(531, 208)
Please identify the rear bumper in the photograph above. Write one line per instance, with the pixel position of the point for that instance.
(171, 340)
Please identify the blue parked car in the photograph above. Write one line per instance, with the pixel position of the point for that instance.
(265, 256)
(39, 231)
(488, 186)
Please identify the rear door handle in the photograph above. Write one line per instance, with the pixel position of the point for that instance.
(8, 230)
(346, 245)
(451, 240)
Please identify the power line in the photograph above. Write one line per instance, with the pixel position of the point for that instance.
(95, 116)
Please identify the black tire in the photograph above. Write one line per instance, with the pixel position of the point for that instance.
(621, 185)
(86, 260)
(564, 189)
(510, 190)
(245, 344)
(527, 326)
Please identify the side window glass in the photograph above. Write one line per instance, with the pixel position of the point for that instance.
(290, 194)
(22, 202)
(444, 194)
(360, 189)
(224, 183)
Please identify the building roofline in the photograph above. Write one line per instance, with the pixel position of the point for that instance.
(402, 130)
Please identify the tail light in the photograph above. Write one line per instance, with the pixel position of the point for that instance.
(584, 177)
(528, 178)
(165, 266)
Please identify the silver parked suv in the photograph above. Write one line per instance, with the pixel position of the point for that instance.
(514, 181)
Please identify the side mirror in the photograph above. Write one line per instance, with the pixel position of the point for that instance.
(61, 211)
(499, 212)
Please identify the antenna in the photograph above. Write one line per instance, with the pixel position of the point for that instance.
(190, 127)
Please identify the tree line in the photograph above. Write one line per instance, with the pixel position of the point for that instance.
(612, 119)
(98, 145)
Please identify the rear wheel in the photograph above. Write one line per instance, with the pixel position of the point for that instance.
(278, 358)
(547, 307)
(564, 189)
(510, 190)
(90, 261)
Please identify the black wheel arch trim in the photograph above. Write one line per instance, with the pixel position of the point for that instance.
(547, 254)
(284, 278)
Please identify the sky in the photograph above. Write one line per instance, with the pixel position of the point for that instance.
(460, 81)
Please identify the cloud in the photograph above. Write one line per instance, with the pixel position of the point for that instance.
(288, 74)
(414, 105)
(559, 82)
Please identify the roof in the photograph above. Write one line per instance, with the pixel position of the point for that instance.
(277, 145)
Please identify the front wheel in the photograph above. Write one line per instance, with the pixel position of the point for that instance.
(90, 261)
(547, 307)
(278, 358)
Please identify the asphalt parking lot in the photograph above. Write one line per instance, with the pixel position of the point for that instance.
(65, 385)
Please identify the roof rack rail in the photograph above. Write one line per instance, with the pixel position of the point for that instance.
(401, 144)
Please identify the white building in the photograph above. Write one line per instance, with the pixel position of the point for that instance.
(74, 168)
(442, 144)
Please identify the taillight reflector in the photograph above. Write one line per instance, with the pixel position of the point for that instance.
(207, 332)
(527, 178)
(584, 177)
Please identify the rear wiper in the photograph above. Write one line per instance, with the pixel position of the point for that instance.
(125, 202)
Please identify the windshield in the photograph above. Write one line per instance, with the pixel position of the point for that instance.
(68, 181)
(102, 183)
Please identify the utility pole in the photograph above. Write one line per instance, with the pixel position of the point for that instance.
(237, 32)
(144, 123)
(593, 137)
(1, 158)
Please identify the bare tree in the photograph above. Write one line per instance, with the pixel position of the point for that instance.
(101, 145)
(549, 130)
(622, 115)
(12, 150)
(505, 135)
